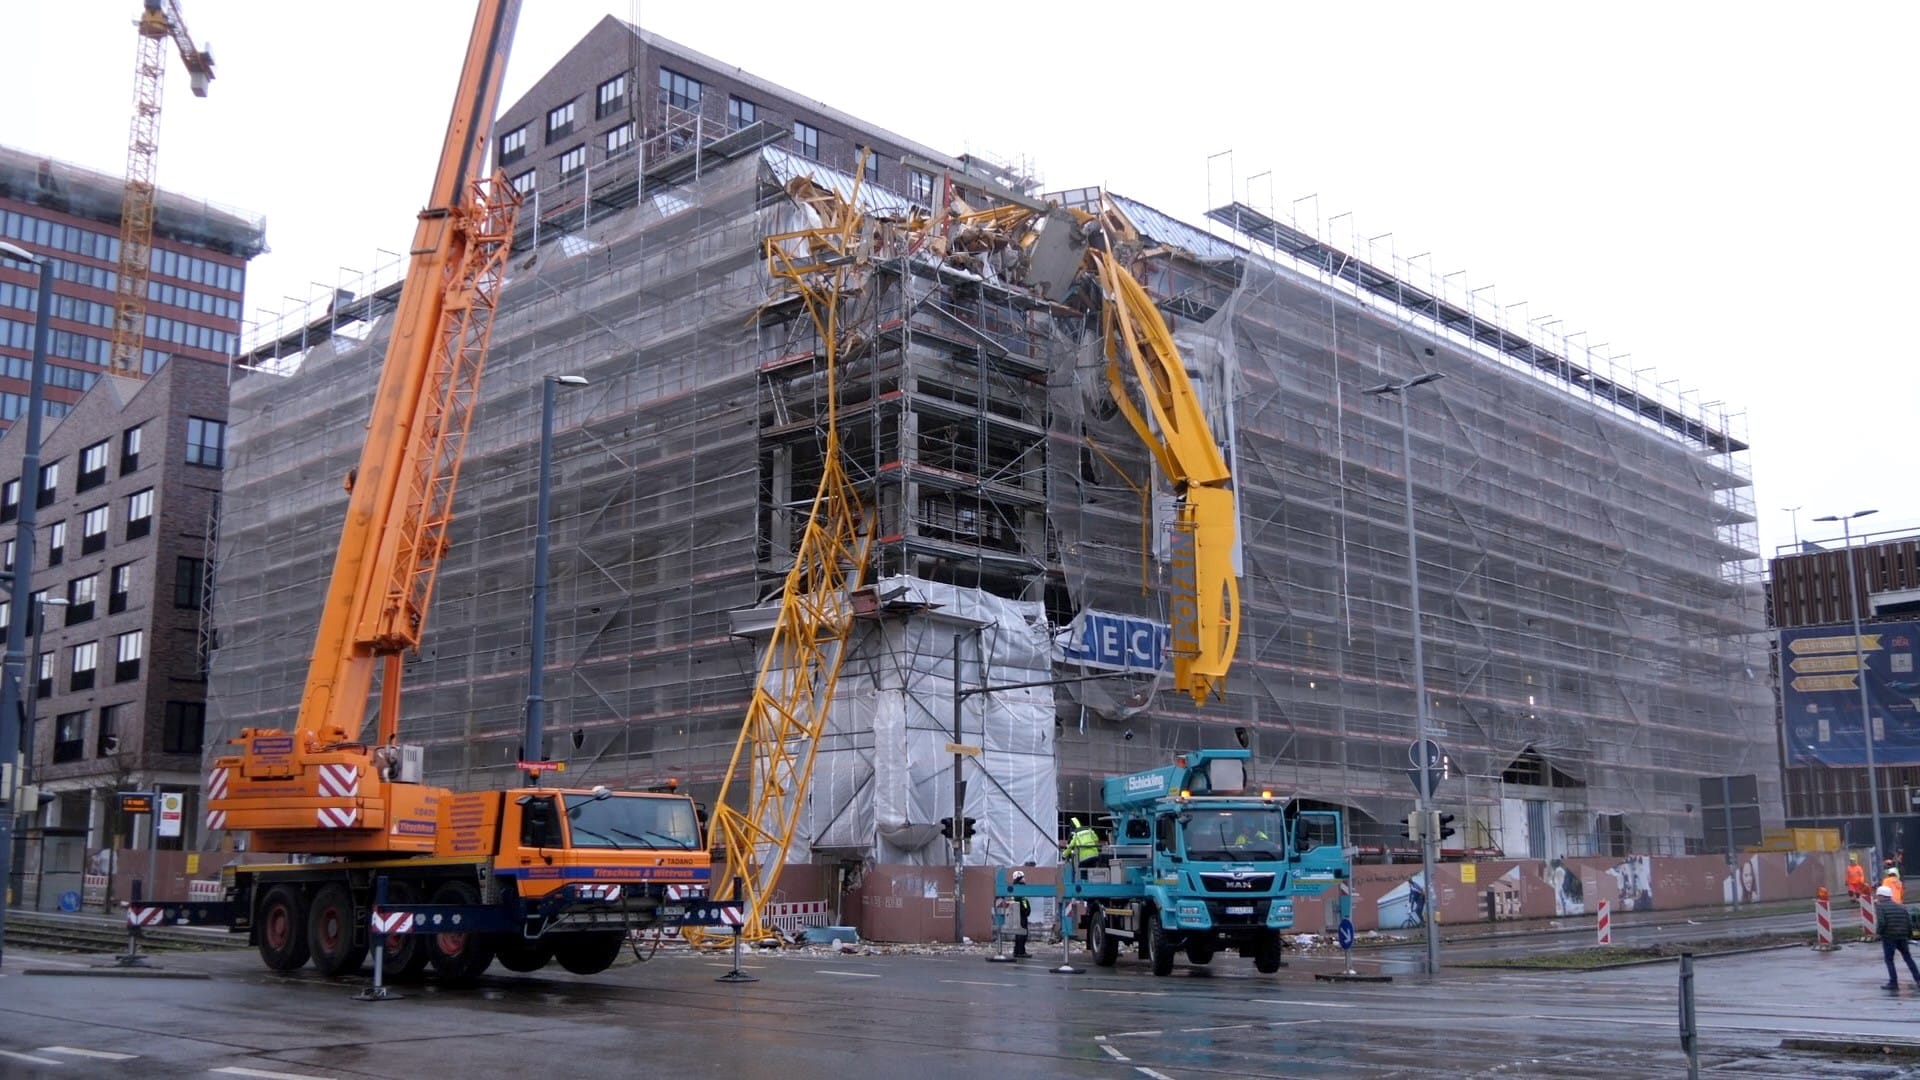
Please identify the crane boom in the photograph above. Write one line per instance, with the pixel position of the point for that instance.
(159, 20)
(399, 507)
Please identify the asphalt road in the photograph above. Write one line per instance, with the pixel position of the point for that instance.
(816, 1014)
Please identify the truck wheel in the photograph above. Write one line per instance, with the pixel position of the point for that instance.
(1104, 946)
(332, 932)
(1200, 952)
(1266, 957)
(280, 925)
(459, 957)
(591, 953)
(406, 954)
(516, 953)
(1159, 949)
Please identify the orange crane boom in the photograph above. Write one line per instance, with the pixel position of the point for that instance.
(159, 21)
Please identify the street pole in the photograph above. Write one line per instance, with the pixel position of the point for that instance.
(14, 666)
(534, 738)
(1429, 839)
(959, 802)
(1860, 666)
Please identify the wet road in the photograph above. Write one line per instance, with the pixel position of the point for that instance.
(923, 1016)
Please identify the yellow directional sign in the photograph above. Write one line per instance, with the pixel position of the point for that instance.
(1844, 643)
(1806, 683)
(1811, 664)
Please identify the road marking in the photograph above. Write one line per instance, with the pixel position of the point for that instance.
(237, 1070)
(1144, 1071)
(31, 1058)
(974, 982)
(1131, 1034)
(104, 1055)
(1131, 993)
(1222, 1027)
(1307, 1004)
(848, 974)
(1117, 1055)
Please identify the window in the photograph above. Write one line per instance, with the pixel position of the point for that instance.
(6, 614)
(129, 450)
(81, 593)
(56, 543)
(806, 140)
(740, 113)
(49, 484)
(611, 97)
(127, 650)
(920, 187)
(109, 730)
(560, 122)
(573, 161)
(619, 138)
(69, 737)
(85, 658)
(524, 183)
(10, 500)
(139, 514)
(43, 685)
(119, 588)
(188, 577)
(93, 530)
(679, 91)
(184, 727)
(206, 442)
(513, 145)
(7, 549)
(871, 161)
(93, 466)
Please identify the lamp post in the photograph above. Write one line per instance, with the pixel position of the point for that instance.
(14, 665)
(1428, 841)
(1860, 666)
(536, 732)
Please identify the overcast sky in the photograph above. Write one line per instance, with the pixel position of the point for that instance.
(1722, 191)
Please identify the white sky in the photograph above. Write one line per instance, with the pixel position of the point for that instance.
(1724, 191)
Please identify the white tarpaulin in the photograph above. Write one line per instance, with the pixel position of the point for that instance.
(884, 775)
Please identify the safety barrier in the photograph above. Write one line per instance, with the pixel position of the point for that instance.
(205, 891)
(791, 918)
(1869, 928)
(1823, 920)
(93, 890)
(1606, 924)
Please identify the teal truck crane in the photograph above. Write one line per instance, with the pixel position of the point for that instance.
(1201, 861)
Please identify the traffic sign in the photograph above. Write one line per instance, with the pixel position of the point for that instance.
(1346, 933)
(1433, 779)
(1425, 752)
(173, 806)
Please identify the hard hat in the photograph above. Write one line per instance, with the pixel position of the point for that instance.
(1884, 891)
(1021, 875)
(1076, 822)
(1853, 858)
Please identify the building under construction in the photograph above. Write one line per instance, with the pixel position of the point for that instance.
(1592, 617)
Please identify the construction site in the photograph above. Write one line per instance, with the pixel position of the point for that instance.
(1009, 555)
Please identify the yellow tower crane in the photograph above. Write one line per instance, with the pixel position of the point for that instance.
(159, 21)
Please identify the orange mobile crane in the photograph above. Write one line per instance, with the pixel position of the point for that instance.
(529, 875)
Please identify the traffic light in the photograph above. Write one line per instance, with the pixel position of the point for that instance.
(966, 831)
(1445, 826)
(946, 827)
(1412, 832)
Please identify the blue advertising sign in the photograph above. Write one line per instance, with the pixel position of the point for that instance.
(1820, 681)
(1104, 639)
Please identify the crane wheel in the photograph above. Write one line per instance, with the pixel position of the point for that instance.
(407, 954)
(589, 953)
(1266, 956)
(459, 957)
(516, 953)
(1104, 946)
(280, 928)
(333, 931)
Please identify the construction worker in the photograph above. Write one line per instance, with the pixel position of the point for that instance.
(1083, 844)
(1890, 880)
(1896, 929)
(1856, 878)
(1022, 911)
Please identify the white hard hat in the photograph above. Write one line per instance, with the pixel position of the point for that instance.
(1021, 875)
(1884, 890)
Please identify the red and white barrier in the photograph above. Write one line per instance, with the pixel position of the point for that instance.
(1868, 925)
(201, 892)
(1606, 924)
(791, 918)
(1823, 919)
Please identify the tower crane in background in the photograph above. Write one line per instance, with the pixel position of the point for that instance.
(159, 21)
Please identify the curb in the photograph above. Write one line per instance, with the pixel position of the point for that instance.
(118, 973)
(1871, 1047)
(1642, 962)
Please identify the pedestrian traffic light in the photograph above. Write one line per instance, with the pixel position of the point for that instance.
(966, 831)
(1412, 832)
(946, 827)
(1445, 828)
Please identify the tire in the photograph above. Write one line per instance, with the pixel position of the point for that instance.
(406, 954)
(459, 957)
(1200, 953)
(280, 928)
(1104, 946)
(517, 953)
(1159, 949)
(1266, 956)
(589, 953)
(333, 926)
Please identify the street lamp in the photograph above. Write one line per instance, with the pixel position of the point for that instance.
(1860, 667)
(1428, 840)
(536, 733)
(14, 666)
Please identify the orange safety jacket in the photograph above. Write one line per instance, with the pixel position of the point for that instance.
(1856, 880)
(1892, 881)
